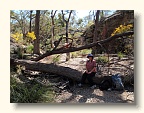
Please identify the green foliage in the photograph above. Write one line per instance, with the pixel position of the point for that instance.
(20, 52)
(56, 58)
(29, 49)
(129, 49)
(102, 59)
(19, 69)
(85, 51)
(74, 54)
(90, 24)
(31, 92)
(120, 55)
(77, 34)
(81, 52)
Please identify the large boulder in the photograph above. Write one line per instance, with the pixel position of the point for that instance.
(106, 27)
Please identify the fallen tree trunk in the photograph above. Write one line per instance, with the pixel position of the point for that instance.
(68, 72)
(72, 49)
(50, 68)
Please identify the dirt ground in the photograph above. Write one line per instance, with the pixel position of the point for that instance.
(87, 95)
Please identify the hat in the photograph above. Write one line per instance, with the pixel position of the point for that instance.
(89, 55)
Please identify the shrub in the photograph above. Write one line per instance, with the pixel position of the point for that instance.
(74, 54)
(18, 37)
(122, 29)
(120, 55)
(30, 48)
(102, 59)
(85, 51)
(31, 35)
(20, 52)
(56, 58)
(31, 92)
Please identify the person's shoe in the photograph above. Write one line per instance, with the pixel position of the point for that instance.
(94, 86)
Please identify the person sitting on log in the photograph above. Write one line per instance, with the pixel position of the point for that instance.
(90, 72)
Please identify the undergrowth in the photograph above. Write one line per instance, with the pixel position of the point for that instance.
(31, 92)
(102, 59)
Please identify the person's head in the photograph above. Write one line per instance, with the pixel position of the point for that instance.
(90, 56)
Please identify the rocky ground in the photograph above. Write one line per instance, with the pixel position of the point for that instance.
(88, 95)
(75, 94)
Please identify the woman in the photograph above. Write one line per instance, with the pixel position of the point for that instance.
(90, 72)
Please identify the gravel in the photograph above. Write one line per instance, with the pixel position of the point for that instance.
(87, 95)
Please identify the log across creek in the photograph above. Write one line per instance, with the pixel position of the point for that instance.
(68, 72)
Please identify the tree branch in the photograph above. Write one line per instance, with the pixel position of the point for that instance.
(63, 16)
(54, 12)
(72, 49)
(70, 15)
(57, 44)
(16, 20)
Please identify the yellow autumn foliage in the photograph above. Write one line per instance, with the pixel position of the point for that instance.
(31, 35)
(17, 36)
(122, 29)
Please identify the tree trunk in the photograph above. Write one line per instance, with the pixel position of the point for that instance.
(95, 38)
(67, 22)
(30, 20)
(73, 74)
(52, 38)
(52, 19)
(96, 26)
(37, 40)
(67, 54)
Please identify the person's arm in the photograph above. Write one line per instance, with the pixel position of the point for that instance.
(86, 68)
(94, 68)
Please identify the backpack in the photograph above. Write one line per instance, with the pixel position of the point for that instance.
(105, 85)
(117, 82)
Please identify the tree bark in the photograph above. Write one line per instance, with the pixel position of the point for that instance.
(68, 72)
(30, 20)
(96, 26)
(67, 54)
(67, 22)
(52, 18)
(37, 40)
(95, 38)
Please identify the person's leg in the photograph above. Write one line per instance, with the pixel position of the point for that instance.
(90, 78)
(84, 76)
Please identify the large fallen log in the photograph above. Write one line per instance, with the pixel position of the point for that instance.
(50, 68)
(68, 72)
(72, 49)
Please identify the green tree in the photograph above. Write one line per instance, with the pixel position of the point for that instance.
(19, 18)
